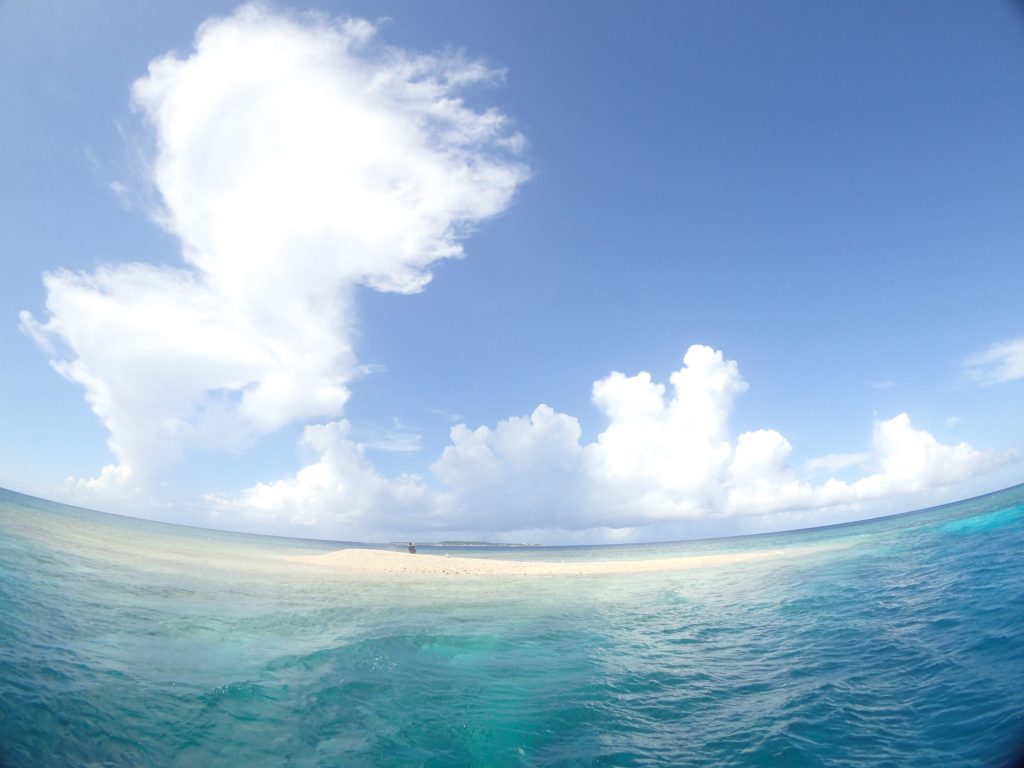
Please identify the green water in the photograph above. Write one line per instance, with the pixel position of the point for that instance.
(897, 642)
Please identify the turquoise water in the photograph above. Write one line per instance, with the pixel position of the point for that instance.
(895, 642)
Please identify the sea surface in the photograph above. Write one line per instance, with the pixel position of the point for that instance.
(895, 642)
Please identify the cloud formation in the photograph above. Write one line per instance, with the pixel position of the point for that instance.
(342, 487)
(665, 457)
(296, 158)
(1000, 363)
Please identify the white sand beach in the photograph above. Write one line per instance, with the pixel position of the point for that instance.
(374, 561)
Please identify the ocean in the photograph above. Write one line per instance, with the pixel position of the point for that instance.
(892, 642)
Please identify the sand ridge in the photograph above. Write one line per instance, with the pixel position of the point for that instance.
(376, 561)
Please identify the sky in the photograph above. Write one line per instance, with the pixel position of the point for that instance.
(556, 273)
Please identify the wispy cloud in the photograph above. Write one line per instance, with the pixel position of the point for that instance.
(834, 462)
(449, 416)
(397, 438)
(1000, 363)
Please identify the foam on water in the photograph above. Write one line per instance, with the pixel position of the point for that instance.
(893, 642)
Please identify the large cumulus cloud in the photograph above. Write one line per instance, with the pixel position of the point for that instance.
(295, 158)
(666, 459)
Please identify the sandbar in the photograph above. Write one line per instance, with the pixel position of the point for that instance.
(376, 561)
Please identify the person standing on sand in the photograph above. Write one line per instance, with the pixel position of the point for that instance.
(412, 548)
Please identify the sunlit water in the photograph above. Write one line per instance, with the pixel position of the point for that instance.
(897, 642)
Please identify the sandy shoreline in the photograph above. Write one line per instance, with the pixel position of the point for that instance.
(374, 561)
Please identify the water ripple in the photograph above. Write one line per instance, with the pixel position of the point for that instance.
(905, 648)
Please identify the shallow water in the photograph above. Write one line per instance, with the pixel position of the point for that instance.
(895, 642)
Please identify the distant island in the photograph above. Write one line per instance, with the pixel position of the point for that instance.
(464, 544)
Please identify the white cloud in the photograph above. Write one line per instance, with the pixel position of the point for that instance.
(114, 479)
(833, 462)
(527, 471)
(114, 489)
(296, 158)
(667, 458)
(663, 460)
(398, 438)
(1000, 363)
(902, 459)
(339, 493)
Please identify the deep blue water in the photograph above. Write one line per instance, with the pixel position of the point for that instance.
(896, 642)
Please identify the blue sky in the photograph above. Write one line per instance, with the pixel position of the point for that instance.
(824, 197)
